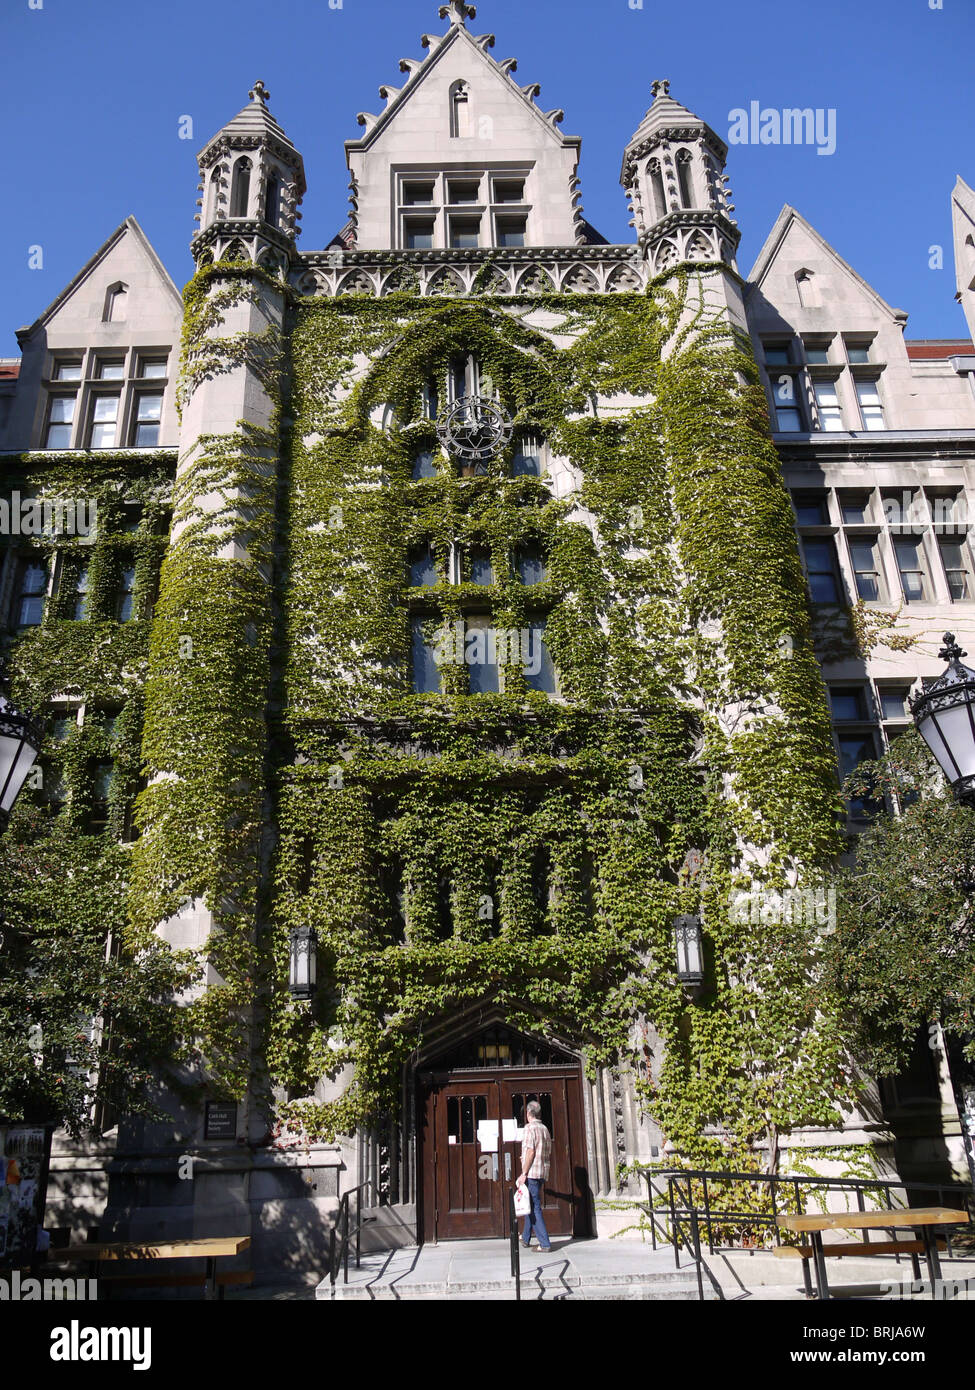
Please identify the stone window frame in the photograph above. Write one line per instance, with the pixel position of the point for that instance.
(128, 387)
(442, 211)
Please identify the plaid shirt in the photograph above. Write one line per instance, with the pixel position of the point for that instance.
(536, 1137)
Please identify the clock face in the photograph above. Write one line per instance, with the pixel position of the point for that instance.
(474, 429)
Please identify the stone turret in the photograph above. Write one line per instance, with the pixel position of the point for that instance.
(252, 180)
(673, 174)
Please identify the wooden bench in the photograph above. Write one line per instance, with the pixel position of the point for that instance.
(208, 1248)
(923, 1218)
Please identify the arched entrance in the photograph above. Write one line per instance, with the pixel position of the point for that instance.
(470, 1112)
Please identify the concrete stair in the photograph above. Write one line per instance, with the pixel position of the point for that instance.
(581, 1271)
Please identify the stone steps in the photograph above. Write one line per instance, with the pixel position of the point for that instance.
(479, 1271)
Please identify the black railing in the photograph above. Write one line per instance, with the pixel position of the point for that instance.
(684, 1202)
(344, 1233)
(515, 1240)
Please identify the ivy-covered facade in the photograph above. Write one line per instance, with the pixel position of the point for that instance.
(488, 723)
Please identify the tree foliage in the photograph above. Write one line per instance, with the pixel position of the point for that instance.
(903, 952)
(83, 1024)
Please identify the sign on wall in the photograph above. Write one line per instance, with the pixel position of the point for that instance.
(220, 1121)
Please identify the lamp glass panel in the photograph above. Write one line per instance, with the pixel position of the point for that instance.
(16, 760)
(929, 731)
(955, 727)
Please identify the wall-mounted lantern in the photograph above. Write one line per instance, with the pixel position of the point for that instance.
(303, 971)
(689, 942)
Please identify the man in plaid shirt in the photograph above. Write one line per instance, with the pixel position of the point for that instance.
(536, 1153)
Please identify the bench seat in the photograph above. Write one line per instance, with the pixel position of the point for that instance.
(858, 1247)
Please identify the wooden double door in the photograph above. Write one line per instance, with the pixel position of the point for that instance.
(470, 1136)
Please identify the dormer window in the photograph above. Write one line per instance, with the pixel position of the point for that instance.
(684, 179)
(460, 110)
(241, 189)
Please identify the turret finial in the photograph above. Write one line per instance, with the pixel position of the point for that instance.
(660, 88)
(260, 94)
(457, 12)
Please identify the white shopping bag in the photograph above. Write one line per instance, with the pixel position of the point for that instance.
(523, 1201)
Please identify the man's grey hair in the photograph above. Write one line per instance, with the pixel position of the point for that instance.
(533, 1109)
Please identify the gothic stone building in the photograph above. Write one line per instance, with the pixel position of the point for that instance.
(449, 572)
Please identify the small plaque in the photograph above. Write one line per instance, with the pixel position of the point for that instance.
(220, 1122)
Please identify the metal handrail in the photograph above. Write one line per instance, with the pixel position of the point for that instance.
(340, 1252)
(515, 1241)
(686, 1213)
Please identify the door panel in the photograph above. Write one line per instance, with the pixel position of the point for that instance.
(558, 1194)
(467, 1191)
(465, 1185)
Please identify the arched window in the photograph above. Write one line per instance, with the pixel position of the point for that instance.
(806, 289)
(684, 179)
(460, 110)
(213, 192)
(272, 200)
(657, 187)
(240, 193)
(464, 378)
(115, 304)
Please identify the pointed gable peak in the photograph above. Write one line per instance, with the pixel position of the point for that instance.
(789, 225)
(141, 249)
(437, 46)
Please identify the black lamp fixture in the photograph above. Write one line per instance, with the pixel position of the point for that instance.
(303, 968)
(20, 741)
(945, 719)
(689, 942)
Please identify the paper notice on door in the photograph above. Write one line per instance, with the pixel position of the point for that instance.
(487, 1136)
(510, 1133)
(451, 1138)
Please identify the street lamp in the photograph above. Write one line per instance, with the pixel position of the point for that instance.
(20, 742)
(945, 719)
(303, 968)
(690, 950)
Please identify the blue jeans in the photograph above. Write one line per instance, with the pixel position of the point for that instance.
(535, 1218)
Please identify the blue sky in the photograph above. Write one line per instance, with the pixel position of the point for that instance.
(94, 90)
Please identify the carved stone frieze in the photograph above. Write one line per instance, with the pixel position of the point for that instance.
(514, 271)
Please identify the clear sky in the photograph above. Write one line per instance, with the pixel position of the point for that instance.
(94, 90)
